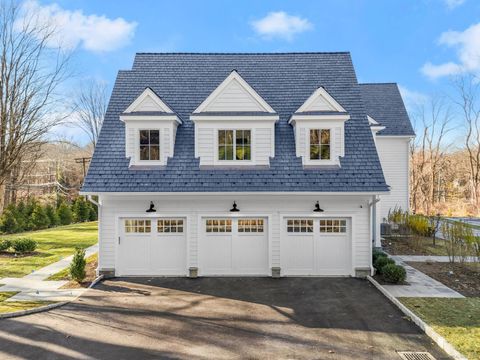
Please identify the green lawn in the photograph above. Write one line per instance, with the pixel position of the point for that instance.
(457, 320)
(12, 306)
(53, 245)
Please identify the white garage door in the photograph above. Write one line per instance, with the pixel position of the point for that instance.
(233, 247)
(316, 247)
(152, 247)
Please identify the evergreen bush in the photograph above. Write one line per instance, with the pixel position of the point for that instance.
(52, 215)
(24, 245)
(5, 244)
(64, 213)
(394, 274)
(77, 266)
(8, 222)
(381, 262)
(39, 219)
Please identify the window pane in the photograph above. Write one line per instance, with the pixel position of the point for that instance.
(314, 136)
(229, 152)
(221, 137)
(154, 152)
(154, 137)
(314, 152)
(221, 153)
(144, 154)
(246, 137)
(229, 137)
(239, 153)
(325, 152)
(144, 137)
(239, 137)
(246, 152)
(326, 137)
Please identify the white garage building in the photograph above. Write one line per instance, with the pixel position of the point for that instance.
(237, 165)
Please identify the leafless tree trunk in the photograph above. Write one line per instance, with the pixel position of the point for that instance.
(428, 154)
(468, 91)
(90, 105)
(30, 72)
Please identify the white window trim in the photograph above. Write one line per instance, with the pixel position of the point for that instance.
(333, 157)
(250, 162)
(160, 146)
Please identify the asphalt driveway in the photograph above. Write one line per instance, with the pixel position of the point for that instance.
(218, 318)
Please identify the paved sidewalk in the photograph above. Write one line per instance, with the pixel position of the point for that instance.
(427, 258)
(33, 286)
(420, 285)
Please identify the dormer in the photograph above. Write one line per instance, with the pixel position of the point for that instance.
(150, 130)
(234, 127)
(319, 127)
(375, 127)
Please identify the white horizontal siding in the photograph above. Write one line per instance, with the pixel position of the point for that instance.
(205, 145)
(276, 207)
(262, 145)
(234, 98)
(320, 104)
(148, 104)
(393, 154)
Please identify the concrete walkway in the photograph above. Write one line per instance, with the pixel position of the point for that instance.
(33, 286)
(428, 258)
(419, 285)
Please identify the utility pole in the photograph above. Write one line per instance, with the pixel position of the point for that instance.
(84, 161)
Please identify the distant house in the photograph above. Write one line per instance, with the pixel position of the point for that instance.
(246, 164)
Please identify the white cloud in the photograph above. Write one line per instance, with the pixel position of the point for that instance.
(75, 29)
(467, 45)
(412, 98)
(451, 4)
(281, 25)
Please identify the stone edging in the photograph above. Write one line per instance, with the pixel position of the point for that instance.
(49, 306)
(427, 329)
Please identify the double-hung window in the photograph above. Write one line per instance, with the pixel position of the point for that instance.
(149, 145)
(320, 144)
(234, 145)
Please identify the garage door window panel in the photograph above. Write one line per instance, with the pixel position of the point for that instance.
(334, 226)
(138, 226)
(219, 226)
(250, 226)
(168, 226)
(300, 226)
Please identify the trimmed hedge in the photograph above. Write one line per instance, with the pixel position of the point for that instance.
(394, 274)
(5, 244)
(24, 245)
(381, 262)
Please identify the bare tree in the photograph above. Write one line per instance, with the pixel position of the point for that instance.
(468, 99)
(90, 105)
(31, 71)
(428, 154)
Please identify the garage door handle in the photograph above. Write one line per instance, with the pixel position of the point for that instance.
(119, 240)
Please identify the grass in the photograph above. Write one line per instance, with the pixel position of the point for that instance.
(457, 320)
(53, 245)
(12, 306)
(65, 273)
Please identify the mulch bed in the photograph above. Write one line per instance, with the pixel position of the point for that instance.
(406, 246)
(90, 269)
(465, 278)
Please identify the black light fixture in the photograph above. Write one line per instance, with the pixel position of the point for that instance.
(317, 207)
(234, 208)
(151, 208)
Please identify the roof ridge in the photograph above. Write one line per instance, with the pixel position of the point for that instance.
(243, 53)
(378, 83)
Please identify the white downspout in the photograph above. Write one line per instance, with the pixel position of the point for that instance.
(99, 213)
(373, 205)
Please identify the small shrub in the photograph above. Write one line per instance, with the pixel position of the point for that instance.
(39, 218)
(377, 254)
(24, 245)
(77, 266)
(81, 210)
(381, 262)
(8, 222)
(5, 244)
(394, 274)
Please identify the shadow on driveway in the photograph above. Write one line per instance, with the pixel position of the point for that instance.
(210, 318)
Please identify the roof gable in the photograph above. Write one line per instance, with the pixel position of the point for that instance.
(148, 101)
(234, 94)
(320, 100)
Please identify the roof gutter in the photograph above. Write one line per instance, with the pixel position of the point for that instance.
(255, 193)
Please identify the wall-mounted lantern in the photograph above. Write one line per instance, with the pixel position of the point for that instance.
(317, 207)
(234, 208)
(151, 208)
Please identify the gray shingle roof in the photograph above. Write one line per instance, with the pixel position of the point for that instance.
(385, 105)
(285, 81)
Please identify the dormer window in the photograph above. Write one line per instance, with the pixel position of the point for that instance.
(319, 144)
(149, 145)
(234, 145)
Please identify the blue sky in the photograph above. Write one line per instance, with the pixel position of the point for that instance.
(416, 43)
